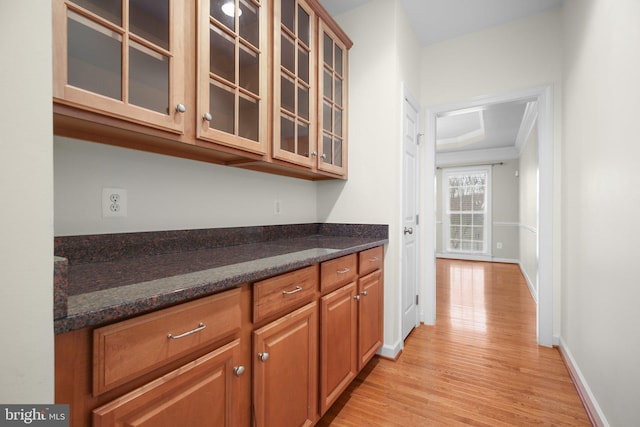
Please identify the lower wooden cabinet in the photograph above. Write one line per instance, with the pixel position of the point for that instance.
(285, 370)
(199, 394)
(338, 343)
(275, 353)
(370, 316)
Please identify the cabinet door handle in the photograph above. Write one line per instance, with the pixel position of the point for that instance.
(263, 357)
(346, 270)
(207, 116)
(356, 297)
(180, 108)
(296, 290)
(364, 293)
(238, 370)
(200, 327)
(374, 259)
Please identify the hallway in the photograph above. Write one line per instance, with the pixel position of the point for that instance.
(479, 365)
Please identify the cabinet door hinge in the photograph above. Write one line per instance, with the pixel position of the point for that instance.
(417, 219)
(417, 299)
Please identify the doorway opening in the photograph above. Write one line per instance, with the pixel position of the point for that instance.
(538, 102)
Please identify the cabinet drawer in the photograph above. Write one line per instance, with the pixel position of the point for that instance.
(126, 350)
(287, 291)
(370, 260)
(337, 272)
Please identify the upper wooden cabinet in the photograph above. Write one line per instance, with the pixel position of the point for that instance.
(256, 84)
(121, 58)
(332, 116)
(294, 83)
(232, 73)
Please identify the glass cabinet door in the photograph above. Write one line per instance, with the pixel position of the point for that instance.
(294, 83)
(123, 58)
(332, 147)
(232, 73)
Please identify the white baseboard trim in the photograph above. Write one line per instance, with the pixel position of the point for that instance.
(391, 351)
(505, 260)
(588, 399)
(532, 289)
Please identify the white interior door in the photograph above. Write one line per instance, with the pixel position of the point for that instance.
(410, 312)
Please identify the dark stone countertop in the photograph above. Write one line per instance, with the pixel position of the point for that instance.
(103, 278)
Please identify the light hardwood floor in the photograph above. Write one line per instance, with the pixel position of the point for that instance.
(479, 365)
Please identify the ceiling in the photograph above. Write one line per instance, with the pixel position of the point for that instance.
(434, 21)
(495, 127)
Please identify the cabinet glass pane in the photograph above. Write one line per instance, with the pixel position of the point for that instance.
(303, 65)
(328, 51)
(150, 20)
(337, 123)
(110, 10)
(303, 102)
(94, 57)
(221, 107)
(287, 52)
(327, 91)
(249, 23)
(326, 117)
(337, 152)
(224, 12)
(148, 78)
(338, 67)
(222, 54)
(249, 70)
(287, 13)
(303, 26)
(287, 137)
(326, 149)
(248, 119)
(287, 94)
(303, 139)
(338, 99)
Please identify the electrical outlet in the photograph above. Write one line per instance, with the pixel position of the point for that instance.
(499, 245)
(277, 207)
(114, 202)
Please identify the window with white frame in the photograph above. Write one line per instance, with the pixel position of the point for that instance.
(467, 209)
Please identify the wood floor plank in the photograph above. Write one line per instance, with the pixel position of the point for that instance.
(479, 365)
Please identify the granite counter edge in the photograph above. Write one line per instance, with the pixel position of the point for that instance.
(80, 318)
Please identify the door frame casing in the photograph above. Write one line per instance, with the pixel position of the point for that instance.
(544, 97)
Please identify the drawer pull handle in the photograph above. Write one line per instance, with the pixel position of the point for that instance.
(374, 259)
(346, 270)
(200, 327)
(296, 290)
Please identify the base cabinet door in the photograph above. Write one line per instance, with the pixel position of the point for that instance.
(199, 394)
(338, 343)
(370, 321)
(285, 370)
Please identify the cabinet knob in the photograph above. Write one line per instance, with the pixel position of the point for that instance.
(180, 108)
(207, 116)
(408, 230)
(356, 297)
(314, 154)
(238, 370)
(323, 157)
(263, 357)
(364, 293)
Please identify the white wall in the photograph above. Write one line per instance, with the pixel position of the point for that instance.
(600, 173)
(168, 193)
(517, 56)
(528, 212)
(26, 217)
(383, 56)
